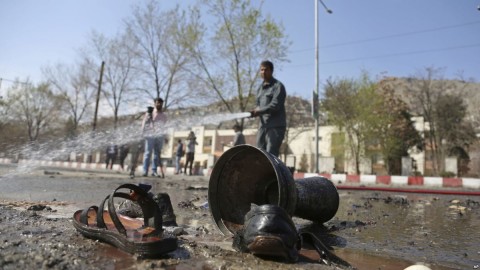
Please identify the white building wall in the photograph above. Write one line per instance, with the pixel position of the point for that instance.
(303, 142)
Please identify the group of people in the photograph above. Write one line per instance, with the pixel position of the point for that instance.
(113, 153)
(153, 122)
(190, 152)
(270, 109)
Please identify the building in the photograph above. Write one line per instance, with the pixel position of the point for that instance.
(299, 150)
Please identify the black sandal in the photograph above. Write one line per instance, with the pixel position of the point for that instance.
(325, 255)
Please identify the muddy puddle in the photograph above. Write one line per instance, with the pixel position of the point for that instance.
(439, 230)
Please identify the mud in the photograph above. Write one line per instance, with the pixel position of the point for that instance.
(372, 230)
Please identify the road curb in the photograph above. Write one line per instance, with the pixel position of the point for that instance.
(83, 166)
(338, 179)
(393, 180)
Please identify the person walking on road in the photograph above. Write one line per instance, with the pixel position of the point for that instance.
(192, 141)
(179, 153)
(122, 155)
(239, 138)
(112, 151)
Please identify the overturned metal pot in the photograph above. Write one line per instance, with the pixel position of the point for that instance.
(246, 174)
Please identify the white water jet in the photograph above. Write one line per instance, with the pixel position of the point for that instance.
(90, 141)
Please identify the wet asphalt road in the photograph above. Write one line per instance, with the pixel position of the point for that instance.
(371, 229)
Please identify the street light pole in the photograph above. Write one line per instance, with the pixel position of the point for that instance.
(317, 83)
(315, 95)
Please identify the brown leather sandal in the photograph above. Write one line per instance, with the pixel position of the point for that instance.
(145, 238)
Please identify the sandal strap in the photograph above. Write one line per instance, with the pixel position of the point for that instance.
(84, 214)
(149, 208)
(100, 220)
(326, 256)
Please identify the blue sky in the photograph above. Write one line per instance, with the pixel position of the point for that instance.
(384, 37)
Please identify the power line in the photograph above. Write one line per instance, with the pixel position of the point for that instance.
(13, 81)
(393, 55)
(390, 36)
(402, 54)
(401, 34)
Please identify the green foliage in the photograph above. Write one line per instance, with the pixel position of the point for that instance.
(396, 133)
(454, 131)
(352, 105)
(442, 104)
(303, 163)
(447, 174)
(373, 118)
(338, 150)
(417, 173)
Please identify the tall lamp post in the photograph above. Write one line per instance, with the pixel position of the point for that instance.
(315, 92)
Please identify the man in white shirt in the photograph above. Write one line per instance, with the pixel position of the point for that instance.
(152, 125)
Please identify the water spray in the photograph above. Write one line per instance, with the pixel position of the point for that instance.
(90, 141)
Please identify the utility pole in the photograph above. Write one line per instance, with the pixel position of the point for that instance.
(98, 96)
(315, 93)
(317, 83)
(94, 126)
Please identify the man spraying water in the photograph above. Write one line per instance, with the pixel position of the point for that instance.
(270, 109)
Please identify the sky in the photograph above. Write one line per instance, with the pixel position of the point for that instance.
(382, 37)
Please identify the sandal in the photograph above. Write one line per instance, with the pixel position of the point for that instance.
(145, 238)
(325, 256)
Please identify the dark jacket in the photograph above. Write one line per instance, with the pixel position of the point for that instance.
(271, 104)
(180, 152)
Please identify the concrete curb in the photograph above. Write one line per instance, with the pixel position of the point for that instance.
(338, 179)
(392, 180)
(86, 166)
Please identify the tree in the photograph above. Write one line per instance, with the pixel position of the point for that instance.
(35, 107)
(75, 87)
(350, 106)
(160, 39)
(455, 135)
(118, 54)
(472, 100)
(396, 132)
(227, 60)
(373, 119)
(303, 163)
(9, 130)
(440, 102)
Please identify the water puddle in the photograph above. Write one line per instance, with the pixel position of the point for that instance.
(363, 260)
(424, 228)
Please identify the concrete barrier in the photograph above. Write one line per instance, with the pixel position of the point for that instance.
(383, 180)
